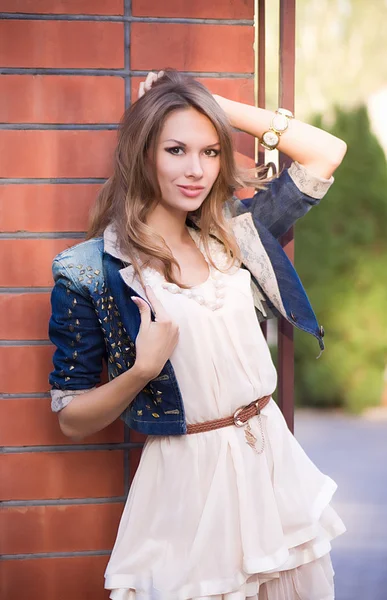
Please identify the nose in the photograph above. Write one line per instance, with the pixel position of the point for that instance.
(194, 168)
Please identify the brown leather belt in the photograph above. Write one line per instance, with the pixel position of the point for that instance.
(239, 418)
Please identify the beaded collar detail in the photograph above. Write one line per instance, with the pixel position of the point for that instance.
(210, 293)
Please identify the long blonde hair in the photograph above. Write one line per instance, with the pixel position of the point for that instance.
(132, 191)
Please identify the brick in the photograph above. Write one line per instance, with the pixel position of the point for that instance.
(28, 530)
(200, 9)
(30, 422)
(186, 47)
(241, 90)
(134, 460)
(135, 436)
(56, 153)
(61, 99)
(24, 316)
(46, 207)
(50, 475)
(244, 144)
(62, 44)
(25, 263)
(244, 162)
(75, 578)
(135, 453)
(244, 156)
(35, 362)
(68, 7)
(245, 193)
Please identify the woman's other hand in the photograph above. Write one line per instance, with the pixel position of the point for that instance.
(146, 85)
(157, 339)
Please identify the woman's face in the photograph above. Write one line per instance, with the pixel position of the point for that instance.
(187, 160)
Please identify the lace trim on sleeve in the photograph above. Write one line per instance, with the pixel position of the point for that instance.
(308, 183)
(61, 398)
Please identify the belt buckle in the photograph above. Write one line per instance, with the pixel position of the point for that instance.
(237, 421)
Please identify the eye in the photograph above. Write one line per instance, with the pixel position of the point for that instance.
(175, 150)
(211, 152)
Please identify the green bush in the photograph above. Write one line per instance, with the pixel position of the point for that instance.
(341, 256)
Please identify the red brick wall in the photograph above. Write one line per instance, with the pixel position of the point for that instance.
(69, 68)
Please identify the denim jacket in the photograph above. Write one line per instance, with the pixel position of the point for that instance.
(94, 319)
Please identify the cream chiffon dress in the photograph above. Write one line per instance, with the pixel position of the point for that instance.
(208, 517)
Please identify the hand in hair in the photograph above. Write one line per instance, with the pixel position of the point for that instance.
(157, 339)
(146, 85)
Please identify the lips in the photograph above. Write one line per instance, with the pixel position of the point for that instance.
(191, 191)
(191, 187)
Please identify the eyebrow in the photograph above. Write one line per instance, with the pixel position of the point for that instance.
(185, 145)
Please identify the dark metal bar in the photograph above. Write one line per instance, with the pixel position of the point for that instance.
(61, 71)
(70, 448)
(24, 290)
(61, 502)
(71, 554)
(287, 52)
(10, 397)
(121, 18)
(23, 343)
(128, 94)
(261, 67)
(286, 100)
(37, 180)
(260, 70)
(35, 235)
(115, 72)
(127, 14)
(59, 126)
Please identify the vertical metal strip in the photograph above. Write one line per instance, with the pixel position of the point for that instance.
(260, 81)
(260, 67)
(286, 100)
(128, 13)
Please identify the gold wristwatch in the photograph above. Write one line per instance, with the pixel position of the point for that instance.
(279, 124)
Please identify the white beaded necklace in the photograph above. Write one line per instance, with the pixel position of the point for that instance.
(216, 279)
(214, 284)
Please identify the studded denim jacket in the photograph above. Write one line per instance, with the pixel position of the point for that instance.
(94, 319)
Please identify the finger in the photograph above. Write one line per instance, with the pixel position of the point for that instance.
(141, 90)
(159, 310)
(160, 74)
(149, 81)
(144, 308)
(150, 78)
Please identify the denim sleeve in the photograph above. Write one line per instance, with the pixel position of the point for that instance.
(285, 199)
(76, 333)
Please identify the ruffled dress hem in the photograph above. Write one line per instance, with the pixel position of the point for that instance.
(256, 571)
(242, 586)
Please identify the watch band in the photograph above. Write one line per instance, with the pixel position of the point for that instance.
(278, 125)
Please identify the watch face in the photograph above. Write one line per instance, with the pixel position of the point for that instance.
(286, 112)
(279, 123)
(270, 138)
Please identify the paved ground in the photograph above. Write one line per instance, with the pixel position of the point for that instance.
(353, 451)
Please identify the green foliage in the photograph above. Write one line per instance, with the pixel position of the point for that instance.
(341, 256)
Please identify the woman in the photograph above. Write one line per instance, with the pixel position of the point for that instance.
(224, 502)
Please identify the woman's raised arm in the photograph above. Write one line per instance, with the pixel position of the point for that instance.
(314, 148)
